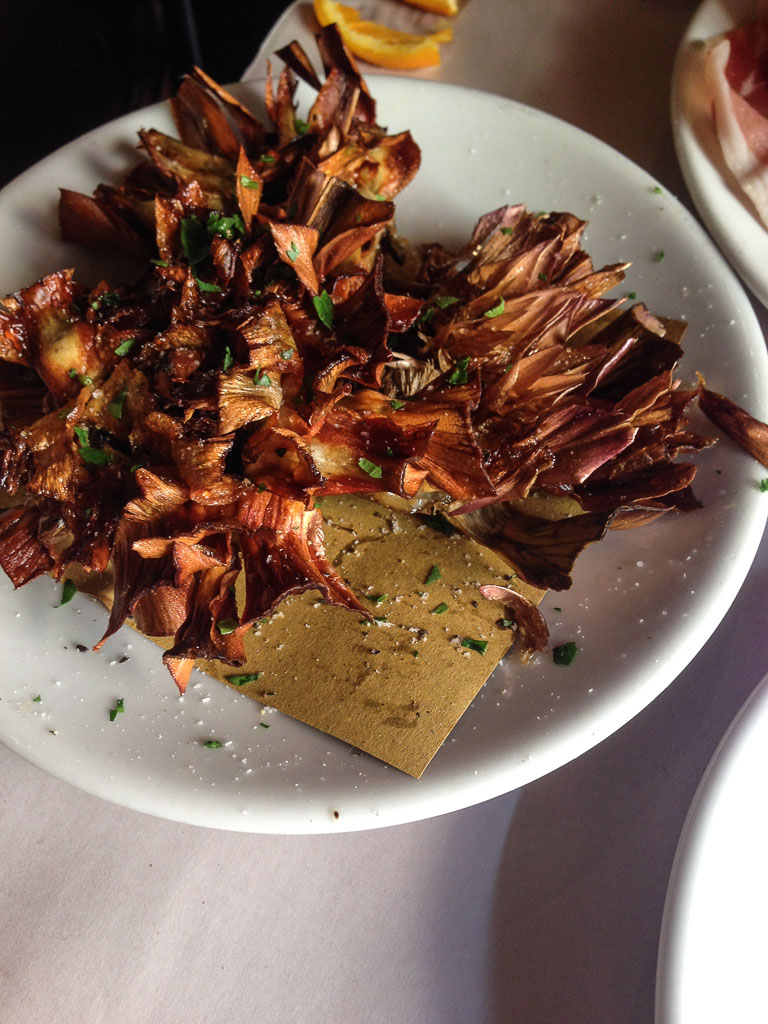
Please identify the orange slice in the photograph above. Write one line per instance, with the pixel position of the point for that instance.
(436, 6)
(385, 47)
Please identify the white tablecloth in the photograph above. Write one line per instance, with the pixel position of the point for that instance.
(538, 907)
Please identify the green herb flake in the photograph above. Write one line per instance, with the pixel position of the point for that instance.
(657, 190)
(496, 310)
(506, 623)
(81, 433)
(244, 678)
(268, 158)
(264, 725)
(379, 618)
(543, 277)
(564, 654)
(118, 709)
(228, 360)
(439, 609)
(226, 626)
(506, 231)
(261, 378)
(207, 286)
(160, 263)
(227, 227)
(194, 241)
(458, 374)
(427, 315)
(213, 744)
(397, 404)
(474, 645)
(293, 252)
(415, 654)
(125, 347)
(287, 353)
(659, 256)
(116, 405)
(444, 301)
(301, 126)
(632, 295)
(370, 468)
(37, 699)
(95, 456)
(247, 182)
(68, 591)
(379, 599)
(763, 485)
(324, 308)
(433, 575)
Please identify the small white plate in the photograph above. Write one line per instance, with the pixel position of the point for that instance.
(724, 207)
(644, 601)
(713, 943)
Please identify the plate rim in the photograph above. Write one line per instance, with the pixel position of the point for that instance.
(503, 781)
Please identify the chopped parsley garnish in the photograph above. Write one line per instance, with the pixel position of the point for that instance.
(244, 678)
(301, 126)
(506, 623)
(433, 575)
(37, 699)
(213, 744)
(226, 626)
(247, 182)
(116, 405)
(763, 485)
(261, 378)
(292, 252)
(415, 654)
(118, 709)
(264, 725)
(656, 190)
(427, 315)
(506, 231)
(106, 299)
(227, 227)
(268, 158)
(324, 308)
(95, 456)
(378, 599)
(458, 374)
(444, 301)
(474, 645)
(543, 277)
(496, 310)
(659, 256)
(370, 468)
(68, 591)
(564, 654)
(194, 241)
(125, 347)
(286, 353)
(160, 263)
(397, 404)
(439, 609)
(207, 286)
(632, 295)
(228, 359)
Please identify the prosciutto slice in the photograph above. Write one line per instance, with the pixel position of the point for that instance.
(737, 73)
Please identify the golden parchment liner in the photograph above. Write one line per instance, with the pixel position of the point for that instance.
(394, 688)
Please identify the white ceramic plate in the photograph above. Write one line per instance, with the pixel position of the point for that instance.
(723, 206)
(644, 603)
(712, 949)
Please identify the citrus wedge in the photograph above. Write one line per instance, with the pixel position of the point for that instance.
(379, 45)
(436, 6)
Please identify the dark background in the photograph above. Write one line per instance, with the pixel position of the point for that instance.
(70, 65)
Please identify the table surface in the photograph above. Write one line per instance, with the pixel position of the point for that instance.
(544, 905)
